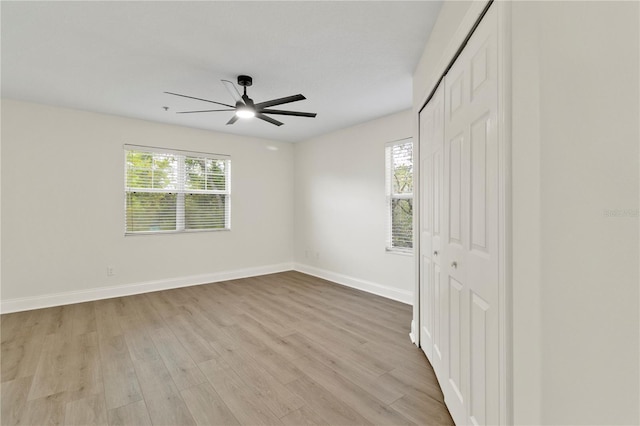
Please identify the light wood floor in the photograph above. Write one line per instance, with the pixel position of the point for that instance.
(278, 349)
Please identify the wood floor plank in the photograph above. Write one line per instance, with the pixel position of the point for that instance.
(271, 308)
(204, 327)
(251, 332)
(134, 414)
(107, 316)
(245, 403)
(163, 399)
(49, 410)
(206, 406)
(413, 380)
(329, 407)
(83, 375)
(121, 384)
(265, 351)
(204, 299)
(425, 411)
(303, 416)
(284, 348)
(183, 370)
(148, 317)
(61, 321)
(13, 395)
(20, 356)
(357, 398)
(263, 315)
(14, 324)
(196, 344)
(90, 411)
(49, 378)
(140, 345)
(355, 296)
(83, 318)
(355, 303)
(350, 370)
(164, 305)
(402, 354)
(345, 350)
(275, 396)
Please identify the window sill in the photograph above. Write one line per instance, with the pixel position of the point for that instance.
(190, 231)
(399, 252)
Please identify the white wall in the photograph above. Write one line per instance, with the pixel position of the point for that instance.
(447, 34)
(575, 133)
(340, 213)
(585, 106)
(63, 205)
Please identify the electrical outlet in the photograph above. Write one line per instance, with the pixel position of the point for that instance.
(111, 271)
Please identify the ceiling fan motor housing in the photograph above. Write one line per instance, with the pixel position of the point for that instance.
(245, 80)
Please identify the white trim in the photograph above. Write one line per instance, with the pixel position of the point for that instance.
(152, 149)
(398, 142)
(504, 208)
(79, 296)
(403, 296)
(99, 293)
(412, 334)
(401, 252)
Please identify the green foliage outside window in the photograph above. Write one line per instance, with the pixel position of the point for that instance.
(400, 194)
(173, 192)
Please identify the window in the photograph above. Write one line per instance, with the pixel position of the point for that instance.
(399, 177)
(175, 191)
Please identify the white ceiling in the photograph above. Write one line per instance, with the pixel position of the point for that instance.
(352, 60)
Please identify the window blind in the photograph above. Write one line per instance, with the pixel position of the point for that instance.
(175, 191)
(399, 188)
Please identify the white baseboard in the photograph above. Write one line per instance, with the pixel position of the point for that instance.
(79, 296)
(57, 299)
(403, 296)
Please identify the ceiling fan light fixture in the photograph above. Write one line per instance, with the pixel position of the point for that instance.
(245, 112)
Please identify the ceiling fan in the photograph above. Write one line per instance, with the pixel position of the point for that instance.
(246, 108)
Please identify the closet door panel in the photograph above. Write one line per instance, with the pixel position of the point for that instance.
(426, 227)
(433, 326)
(478, 183)
(456, 84)
(441, 295)
(469, 258)
(481, 257)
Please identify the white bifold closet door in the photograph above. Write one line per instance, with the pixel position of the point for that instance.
(459, 231)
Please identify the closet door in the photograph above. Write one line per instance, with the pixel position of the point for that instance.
(470, 258)
(433, 298)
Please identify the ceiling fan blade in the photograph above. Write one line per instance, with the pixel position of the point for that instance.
(199, 99)
(280, 101)
(233, 119)
(206, 110)
(268, 119)
(233, 90)
(294, 113)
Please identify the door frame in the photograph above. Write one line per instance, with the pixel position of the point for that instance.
(465, 28)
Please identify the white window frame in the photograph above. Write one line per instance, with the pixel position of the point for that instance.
(391, 196)
(180, 190)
